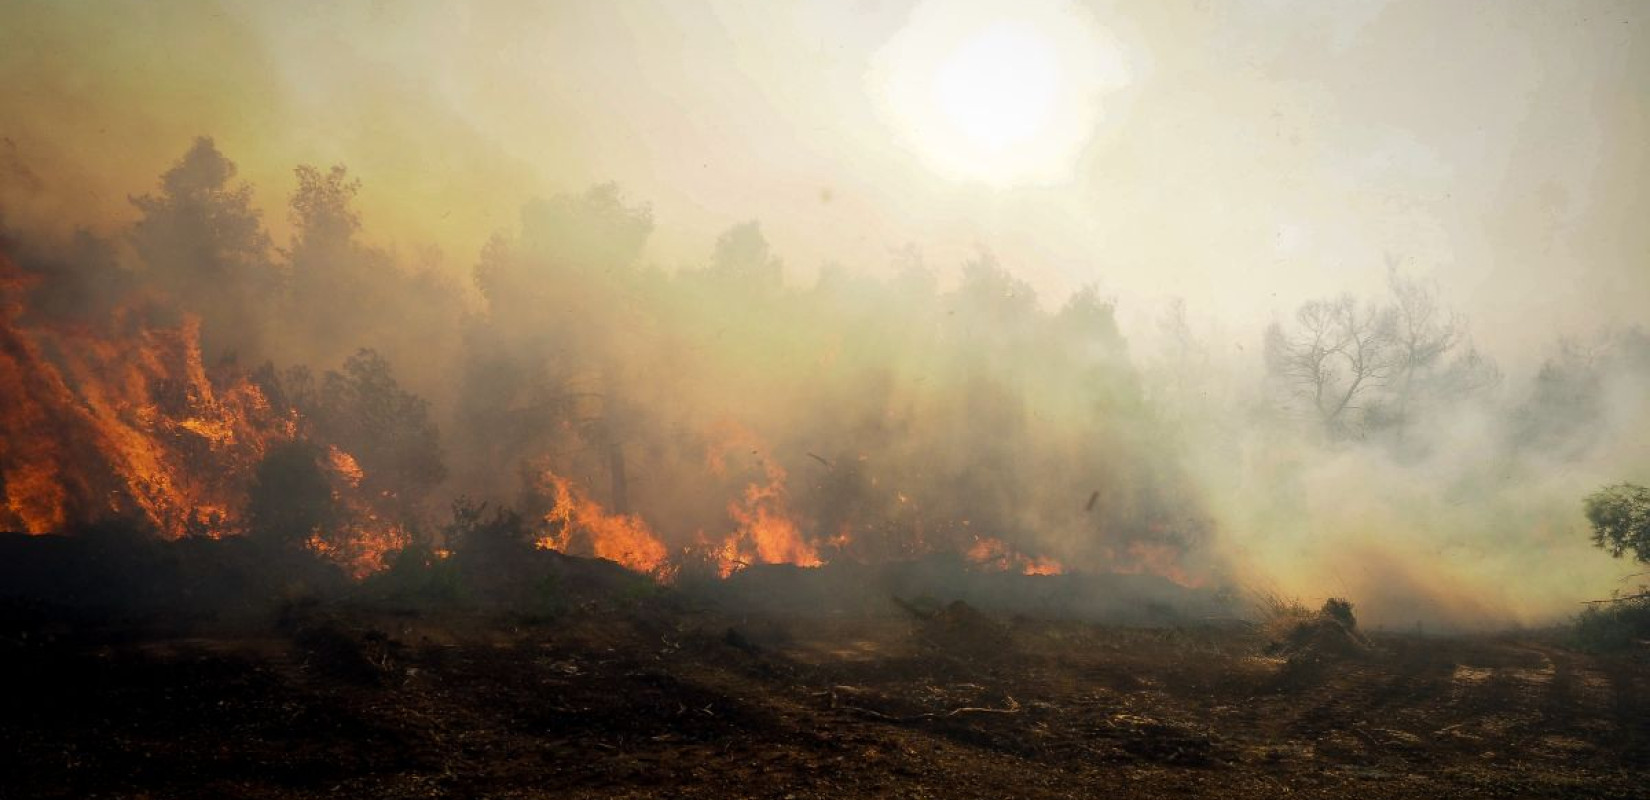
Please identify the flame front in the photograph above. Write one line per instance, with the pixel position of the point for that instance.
(765, 532)
(579, 524)
(104, 427)
(123, 421)
(995, 554)
(130, 424)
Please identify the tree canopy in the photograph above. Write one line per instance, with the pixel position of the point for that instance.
(1620, 516)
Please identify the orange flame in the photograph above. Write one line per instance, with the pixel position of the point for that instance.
(362, 544)
(345, 466)
(765, 532)
(622, 538)
(995, 554)
(1155, 558)
(131, 424)
(94, 427)
(361, 548)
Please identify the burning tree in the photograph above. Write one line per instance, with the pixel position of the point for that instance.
(729, 417)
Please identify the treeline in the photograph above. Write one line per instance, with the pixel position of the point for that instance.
(887, 417)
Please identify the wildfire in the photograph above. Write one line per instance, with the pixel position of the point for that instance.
(765, 532)
(131, 424)
(1153, 558)
(995, 554)
(363, 542)
(576, 521)
(124, 421)
(345, 466)
(362, 548)
(94, 427)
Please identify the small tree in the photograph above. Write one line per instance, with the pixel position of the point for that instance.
(743, 259)
(1620, 516)
(201, 240)
(387, 428)
(290, 499)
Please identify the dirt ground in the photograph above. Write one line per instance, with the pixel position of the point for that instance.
(661, 699)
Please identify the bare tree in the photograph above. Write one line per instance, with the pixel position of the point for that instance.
(1423, 332)
(1336, 362)
(1436, 362)
(1363, 369)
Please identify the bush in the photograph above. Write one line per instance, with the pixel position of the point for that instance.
(417, 575)
(1290, 629)
(1613, 626)
(290, 498)
(1340, 610)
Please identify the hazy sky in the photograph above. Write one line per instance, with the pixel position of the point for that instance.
(1244, 156)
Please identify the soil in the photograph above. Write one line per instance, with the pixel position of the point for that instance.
(656, 696)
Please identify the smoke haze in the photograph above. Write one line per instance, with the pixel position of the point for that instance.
(688, 265)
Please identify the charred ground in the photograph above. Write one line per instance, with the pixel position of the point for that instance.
(592, 682)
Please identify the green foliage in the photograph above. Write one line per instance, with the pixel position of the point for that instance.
(1613, 626)
(1620, 516)
(1568, 410)
(203, 243)
(640, 590)
(473, 532)
(322, 207)
(594, 230)
(418, 575)
(363, 410)
(201, 226)
(341, 294)
(386, 428)
(743, 259)
(546, 601)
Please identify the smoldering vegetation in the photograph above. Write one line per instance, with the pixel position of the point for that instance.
(706, 417)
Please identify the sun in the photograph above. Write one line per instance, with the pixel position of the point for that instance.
(998, 89)
(1001, 94)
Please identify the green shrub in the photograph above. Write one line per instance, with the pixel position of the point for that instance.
(1620, 516)
(417, 575)
(1613, 626)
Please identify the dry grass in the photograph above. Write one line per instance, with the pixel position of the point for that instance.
(1277, 614)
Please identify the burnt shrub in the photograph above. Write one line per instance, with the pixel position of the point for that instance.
(1340, 610)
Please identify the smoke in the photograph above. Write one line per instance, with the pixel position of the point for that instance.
(884, 414)
(854, 419)
(868, 418)
(1458, 509)
(712, 386)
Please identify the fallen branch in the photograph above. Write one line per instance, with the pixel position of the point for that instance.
(1639, 596)
(1013, 708)
(1358, 729)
